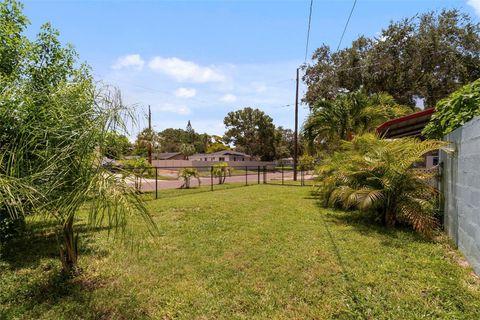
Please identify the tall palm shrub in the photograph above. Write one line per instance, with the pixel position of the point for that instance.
(57, 169)
(68, 174)
(347, 115)
(372, 174)
(78, 178)
(55, 124)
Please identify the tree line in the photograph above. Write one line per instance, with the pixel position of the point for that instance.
(248, 130)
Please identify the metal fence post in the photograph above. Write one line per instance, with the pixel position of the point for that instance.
(246, 175)
(264, 174)
(156, 183)
(258, 174)
(211, 178)
(282, 173)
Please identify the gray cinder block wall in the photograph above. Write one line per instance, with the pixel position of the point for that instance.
(461, 188)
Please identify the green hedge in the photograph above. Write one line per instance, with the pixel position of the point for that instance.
(454, 111)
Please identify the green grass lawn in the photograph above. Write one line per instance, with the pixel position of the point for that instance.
(258, 252)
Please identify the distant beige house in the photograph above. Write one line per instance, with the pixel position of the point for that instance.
(226, 155)
(168, 156)
(285, 162)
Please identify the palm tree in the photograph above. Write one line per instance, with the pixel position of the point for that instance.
(373, 174)
(57, 170)
(221, 170)
(54, 129)
(187, 174)
(146, 138)
(349, 114)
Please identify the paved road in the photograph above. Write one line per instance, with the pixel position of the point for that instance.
(149, 184)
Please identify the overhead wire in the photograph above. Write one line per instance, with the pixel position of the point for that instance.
(346, 24)
(308, 31)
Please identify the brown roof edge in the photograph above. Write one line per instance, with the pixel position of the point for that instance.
(384, 126)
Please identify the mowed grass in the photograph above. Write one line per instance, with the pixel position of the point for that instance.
(257, 252)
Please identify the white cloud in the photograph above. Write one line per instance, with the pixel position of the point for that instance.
(172, 108)
(475, 4)
(182, 70)
(185, 93)
(129, 61)
(228, 98)
(206, 113)
(259, 87)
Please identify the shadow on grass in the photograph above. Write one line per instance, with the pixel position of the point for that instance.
(338, 222)
(36, 294)
(34, 282)
(367, 224)
(39, 241)
(178, 192)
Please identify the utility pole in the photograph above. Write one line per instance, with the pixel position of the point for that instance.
(151, 135)
(295, 138)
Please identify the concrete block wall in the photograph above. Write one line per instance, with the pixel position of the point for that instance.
(461, 188)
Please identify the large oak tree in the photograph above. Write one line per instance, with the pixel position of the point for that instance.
(251, 131)
(427, 56)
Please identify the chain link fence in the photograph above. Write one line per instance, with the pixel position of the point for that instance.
(157, 179)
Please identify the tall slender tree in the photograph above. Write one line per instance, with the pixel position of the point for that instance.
(190, 133)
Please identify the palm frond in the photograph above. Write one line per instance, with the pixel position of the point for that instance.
(372, 173)
(419, 214)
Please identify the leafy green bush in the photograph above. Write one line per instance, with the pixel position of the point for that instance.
(377, 175)
(138, 167)
(455, 110)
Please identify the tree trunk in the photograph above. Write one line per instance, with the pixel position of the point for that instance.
(68, 250)
(390, 218)
(349, 135)
(389, 212)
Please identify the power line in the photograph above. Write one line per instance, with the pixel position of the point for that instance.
(295, 155)
(281, 81)
(308, 30)
(346, 24)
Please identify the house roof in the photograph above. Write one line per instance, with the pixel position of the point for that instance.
(230, 153)
(167, 155)
(223, 153)
(407, 126)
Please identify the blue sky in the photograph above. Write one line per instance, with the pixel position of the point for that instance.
(198, 60)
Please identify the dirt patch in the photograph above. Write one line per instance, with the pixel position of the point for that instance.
(456, 257)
